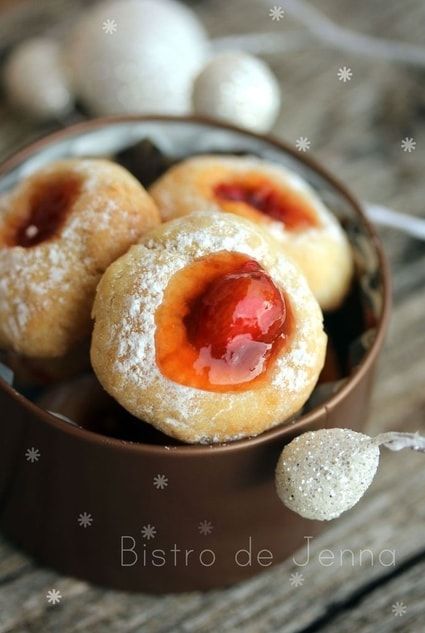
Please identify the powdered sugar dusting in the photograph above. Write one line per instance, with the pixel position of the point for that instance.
(184, 190)
(322, 250)
(149, 268)
(37, 279)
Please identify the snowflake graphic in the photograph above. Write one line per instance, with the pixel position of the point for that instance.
(32, 454)
(408, 144)
(109, 26)
(160, 482)
(296, 579)
(276, 13)
(302, 144)
(399, 609)
(345, 74)
(53, 596)
(148, 531)
(85, 519)
(205, 527)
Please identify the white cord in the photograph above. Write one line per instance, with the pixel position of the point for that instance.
(327, 31)
(402, 221)
(396, 441)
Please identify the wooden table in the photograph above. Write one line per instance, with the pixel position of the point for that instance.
(355, 129)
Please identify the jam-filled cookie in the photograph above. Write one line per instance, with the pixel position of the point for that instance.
(207, 331)
(271, 195)
(59, 230)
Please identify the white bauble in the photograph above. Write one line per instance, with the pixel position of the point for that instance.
(240, 89)
(36, 81)
(321, 474)
(137, 56)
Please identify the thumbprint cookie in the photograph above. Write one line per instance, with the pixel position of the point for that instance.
(207, 331)
(59, 230)
(271, 195)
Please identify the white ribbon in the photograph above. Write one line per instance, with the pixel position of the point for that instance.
(325, 30)
(393, 219)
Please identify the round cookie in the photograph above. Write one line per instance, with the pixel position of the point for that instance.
(273, 196)
(60, 229)
(207, 331)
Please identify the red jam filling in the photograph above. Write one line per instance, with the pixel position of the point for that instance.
(221, 323)
(50, 201)
(286, 206)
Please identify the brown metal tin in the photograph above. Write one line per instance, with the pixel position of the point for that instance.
(231, 486)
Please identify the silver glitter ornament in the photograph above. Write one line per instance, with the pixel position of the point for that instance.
(240, 89)
(321, 474)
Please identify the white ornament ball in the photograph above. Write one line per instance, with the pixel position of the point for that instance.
(36, 81)
(323, 473)
(240, 89)
(137, 56)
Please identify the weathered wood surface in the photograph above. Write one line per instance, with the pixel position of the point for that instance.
(355, 129)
